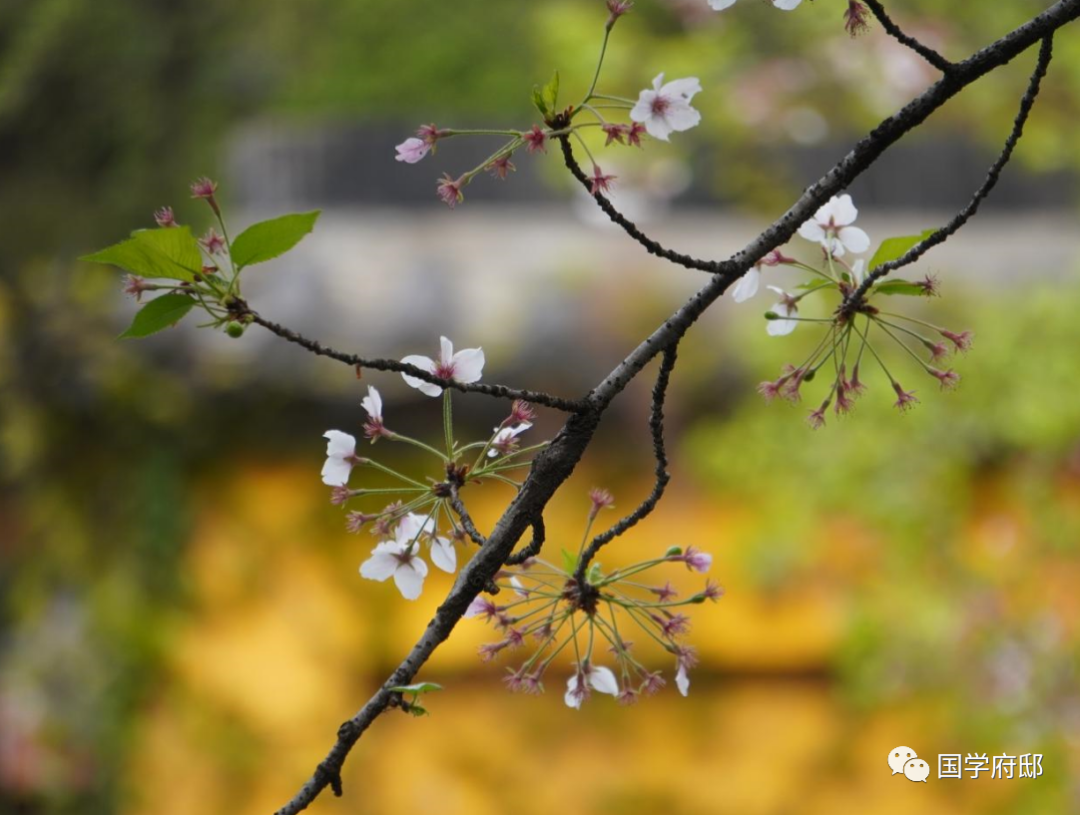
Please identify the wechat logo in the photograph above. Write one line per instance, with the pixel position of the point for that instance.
(904, 760)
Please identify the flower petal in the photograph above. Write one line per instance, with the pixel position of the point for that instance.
(468, 365)
(339, 444)
(686, 88)
(443, 554)
(603, 680)
(335, 472)
(747, 285)
(786, 5)
(854, 239)
(424, 364)
(843, 210)
(372, 403)
(682, 680)
(720, 5)
(680, 117)
(812, 231)
(573, 697)
(409, 577)
(380, 565)
(411, 527)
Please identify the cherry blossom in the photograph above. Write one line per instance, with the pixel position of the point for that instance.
(589, 676)
(747, 285)
(465, 366)
(340, 458)
(832, 227)
(372, 404)
(505, 440)
(666, 108)
(785, 5)
(412, 150)
(786, 307)
(398, 558)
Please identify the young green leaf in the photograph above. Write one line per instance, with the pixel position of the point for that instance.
(268, 239)
(154, 253)
(538, 102)
(158, 314)
(898, 286)
(893, 248)
(569, 561)
(418, 688)
(550, 93)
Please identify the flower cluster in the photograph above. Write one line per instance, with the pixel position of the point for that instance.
(411, 523)
(850, 330)
(591, 617)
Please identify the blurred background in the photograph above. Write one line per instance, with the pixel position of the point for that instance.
(182, 626)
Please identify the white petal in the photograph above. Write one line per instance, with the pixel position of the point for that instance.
(843, 210)
(686, 88)
(372, 403)
(720, 5)
(468, 365)
(747, 286)
(779, 328)
(812, 231)
(381, 564)
(786, 5)
(519, 589)
(412, 526)
(854, 239)
(603, 680)
(658, 128)
(478, 606)
(642, 110)
(835, 247)
(335, 472)
(658, 81)
(682, 117)
(572, 698)
(339, 444)
(776, 289)
(443, 554)
(446, 350)
(409, 577)
(424, 364)
(682, 680)
(858, 269)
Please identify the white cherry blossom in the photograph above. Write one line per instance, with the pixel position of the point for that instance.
(665, 109)
(588, 676)
(503, 442)
(465, 366)
(785, 307)
(340, 458)
(786, 5)
(832, 227)
(372, 404)
(399, 558)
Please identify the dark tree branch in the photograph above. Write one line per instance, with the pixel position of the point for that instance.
(656, 427)
(653, 247)
(893, 30)
(1046, 52)
(534, 547)
(498, 391)
(555, 463)
(466, 519)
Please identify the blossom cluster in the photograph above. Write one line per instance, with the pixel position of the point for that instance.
(660, 110)
(848, 339)
(590, 614)
(410, 524)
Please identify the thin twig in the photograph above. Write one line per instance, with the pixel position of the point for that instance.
(893, 30)
(534, 547)
(376, 364)
(1046, 52)
(656, 426)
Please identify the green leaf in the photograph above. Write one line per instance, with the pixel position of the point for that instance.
(546, 98)
(418, 688)
(595, 575)
(900, 287)
(267, 240)
(569, 562)
(154, 253)
(893, 248)
(158, 314)
(418, 710)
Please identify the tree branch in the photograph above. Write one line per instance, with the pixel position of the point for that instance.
(1046, 53)
(893, 30)
(555, 464)
(534, 547)
(656, 426)
(498, 391)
